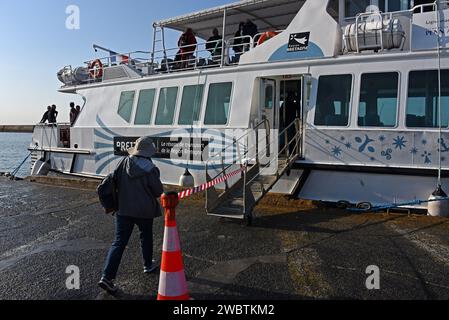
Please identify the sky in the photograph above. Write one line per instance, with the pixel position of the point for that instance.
(35, 44)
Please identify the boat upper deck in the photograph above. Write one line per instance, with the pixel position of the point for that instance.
(368, 32)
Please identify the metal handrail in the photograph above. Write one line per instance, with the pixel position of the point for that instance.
(265, 121)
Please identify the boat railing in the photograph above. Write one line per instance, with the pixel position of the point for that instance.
(405, 17)
(211, 54)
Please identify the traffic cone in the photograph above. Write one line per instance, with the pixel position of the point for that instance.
(172, 281)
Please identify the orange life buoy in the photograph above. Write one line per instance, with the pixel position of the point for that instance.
(96, 69)
(266, 36)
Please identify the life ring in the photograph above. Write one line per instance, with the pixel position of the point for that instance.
(266, 36)
(96, 69)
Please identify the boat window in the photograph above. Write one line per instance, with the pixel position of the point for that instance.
(354, 7)
(166, 106)
(145, 107)
(192, 98)
(334, 97)
(422, 102)
(125, 107)
(378, 99)
(218, 103)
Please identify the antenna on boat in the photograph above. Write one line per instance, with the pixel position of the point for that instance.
(439, 204)
(187, 180)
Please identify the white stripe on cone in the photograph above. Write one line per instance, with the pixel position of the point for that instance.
(171, 240)
(172, 284)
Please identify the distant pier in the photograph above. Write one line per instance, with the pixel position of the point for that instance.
(17, 128)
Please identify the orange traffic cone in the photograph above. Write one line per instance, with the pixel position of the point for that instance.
(172, 281)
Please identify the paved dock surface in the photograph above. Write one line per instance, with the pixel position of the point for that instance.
(289, 253)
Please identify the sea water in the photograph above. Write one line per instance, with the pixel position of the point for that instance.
(13, 150)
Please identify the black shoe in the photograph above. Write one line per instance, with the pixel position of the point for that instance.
(154, 267)
(107, 285)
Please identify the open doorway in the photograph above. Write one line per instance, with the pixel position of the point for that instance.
(290, 109)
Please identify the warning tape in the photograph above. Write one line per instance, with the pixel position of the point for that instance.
(208, 185)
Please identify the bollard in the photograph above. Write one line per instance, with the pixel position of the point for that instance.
(172, 281)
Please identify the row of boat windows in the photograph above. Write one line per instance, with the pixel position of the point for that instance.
(217, 106)
(379, 97)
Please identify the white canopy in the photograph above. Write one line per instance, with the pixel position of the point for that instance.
(276, 14)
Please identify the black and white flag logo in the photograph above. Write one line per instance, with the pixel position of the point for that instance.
(298, 42)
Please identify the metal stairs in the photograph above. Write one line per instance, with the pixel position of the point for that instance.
(237, 199)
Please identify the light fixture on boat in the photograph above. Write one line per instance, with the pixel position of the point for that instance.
(438, 205)
(187, 180)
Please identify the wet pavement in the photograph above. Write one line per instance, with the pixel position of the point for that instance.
(291, 252)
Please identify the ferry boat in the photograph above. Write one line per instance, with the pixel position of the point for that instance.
(333, 100)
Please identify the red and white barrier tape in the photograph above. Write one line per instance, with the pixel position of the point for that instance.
(208, 185)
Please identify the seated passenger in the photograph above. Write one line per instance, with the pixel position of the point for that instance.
(187, 46)
(214, 45)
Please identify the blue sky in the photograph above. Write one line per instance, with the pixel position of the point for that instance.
(35, 44)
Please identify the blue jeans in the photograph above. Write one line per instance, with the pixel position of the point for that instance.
(123, 229)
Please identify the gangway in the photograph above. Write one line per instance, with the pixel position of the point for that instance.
(237, 201)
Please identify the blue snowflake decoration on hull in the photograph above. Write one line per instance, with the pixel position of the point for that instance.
(427, 157)
(382, 138)
(348, 145)
(336, 151)
(399, 142)
(414, 151)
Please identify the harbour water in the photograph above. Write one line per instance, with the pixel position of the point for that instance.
(14, 149)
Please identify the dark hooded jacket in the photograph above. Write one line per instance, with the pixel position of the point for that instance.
(139, 187)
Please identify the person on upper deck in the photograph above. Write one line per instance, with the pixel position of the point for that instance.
(239, 41)
(52, 115)
(250, 29)
(187, 46)
(214, 45)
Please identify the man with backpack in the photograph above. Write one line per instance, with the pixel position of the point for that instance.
(135, 187)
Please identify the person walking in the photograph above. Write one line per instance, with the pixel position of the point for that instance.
(139, 187)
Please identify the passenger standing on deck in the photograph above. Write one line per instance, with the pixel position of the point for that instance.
(46, 115)
(139, 187)
(53, 115)
(187, 46)
(72, 113)
(239, 41)
(214, 45)
(250, 29)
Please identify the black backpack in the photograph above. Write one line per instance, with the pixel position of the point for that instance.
(108, 190)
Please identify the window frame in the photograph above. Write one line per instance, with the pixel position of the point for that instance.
(200, 114)
(407, 97)
(175, 110)
(152, 110)
(132, 106)
(398, 103)
(231, 102)
(351, 100)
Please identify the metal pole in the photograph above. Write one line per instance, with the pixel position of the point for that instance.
(223, 38)
(439, 91)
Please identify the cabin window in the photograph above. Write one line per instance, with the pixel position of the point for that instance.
(125, 107)
(166, 106)
(334, 97)
(218, 103)
(354, 7)
(422, 102)
(145, 107)
(378, 99)
(192, 98)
